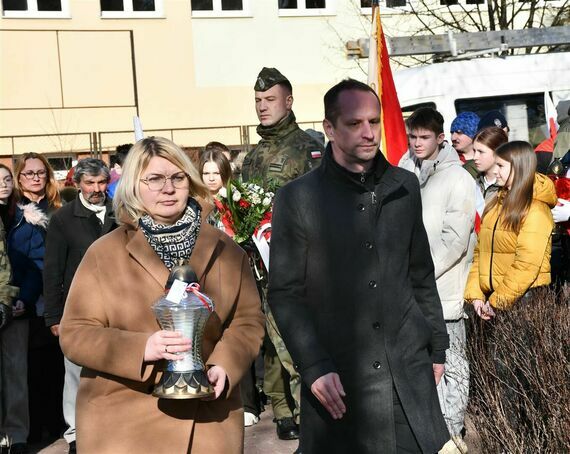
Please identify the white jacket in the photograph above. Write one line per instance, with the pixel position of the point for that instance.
(449, 206)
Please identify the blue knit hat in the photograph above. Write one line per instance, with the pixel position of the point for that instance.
(465, 122)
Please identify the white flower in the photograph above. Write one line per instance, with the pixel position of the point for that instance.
(236, 196)
(255, 199)
(223, 192)
(266, 201)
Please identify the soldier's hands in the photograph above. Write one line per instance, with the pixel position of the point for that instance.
(217, 377)
(438, 370)
(5, 315)
(328, 389)
(164, 345)
(54, 330)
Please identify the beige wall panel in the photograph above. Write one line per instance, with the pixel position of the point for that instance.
(61, 121)
(30, 73)
(199, 138)
(109, 141)
(51, 144)
(96, 69)
(5, 147)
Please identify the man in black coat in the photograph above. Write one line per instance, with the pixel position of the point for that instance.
(353, 292)
(72, 229)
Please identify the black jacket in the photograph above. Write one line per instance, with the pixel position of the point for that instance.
(72, 229)
(352, 290)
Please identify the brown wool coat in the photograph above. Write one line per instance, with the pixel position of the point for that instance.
(105, 326)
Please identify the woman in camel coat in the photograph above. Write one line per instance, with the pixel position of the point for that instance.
(108, 326)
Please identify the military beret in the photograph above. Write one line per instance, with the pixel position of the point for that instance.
(268, 77)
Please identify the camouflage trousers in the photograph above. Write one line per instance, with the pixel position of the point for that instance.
(273, 384)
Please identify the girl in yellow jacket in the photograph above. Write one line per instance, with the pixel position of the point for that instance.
(513, 250)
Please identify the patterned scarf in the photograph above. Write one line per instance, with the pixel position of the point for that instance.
(173, 243)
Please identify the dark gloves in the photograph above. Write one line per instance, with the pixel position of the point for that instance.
(5, 315)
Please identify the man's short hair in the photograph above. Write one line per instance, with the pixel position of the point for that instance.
(92, 167)
(426, 118)
(121, 154)
(217, 146)
(332, 111)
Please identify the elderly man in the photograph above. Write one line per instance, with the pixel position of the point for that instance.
(353, 292)
(71, 231)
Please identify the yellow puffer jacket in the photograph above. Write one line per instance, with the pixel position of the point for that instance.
(506, 265)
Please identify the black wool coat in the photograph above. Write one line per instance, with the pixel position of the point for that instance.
(71, 230)
(352, 290)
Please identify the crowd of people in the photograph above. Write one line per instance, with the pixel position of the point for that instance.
(360, 319)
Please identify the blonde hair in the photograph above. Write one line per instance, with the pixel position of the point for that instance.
(51, 189)
(127, 201)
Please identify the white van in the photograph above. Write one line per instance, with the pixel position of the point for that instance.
(515, 85)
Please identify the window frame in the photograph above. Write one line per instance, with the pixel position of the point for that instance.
(367, 10)
(129, 13)
(217, 11)
(33, 13)
(303, 11)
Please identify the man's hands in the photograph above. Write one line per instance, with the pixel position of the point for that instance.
(438, 370)
(164, 345)
(328, 389)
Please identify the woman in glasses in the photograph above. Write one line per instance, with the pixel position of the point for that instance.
(36, 194)
(108, 326)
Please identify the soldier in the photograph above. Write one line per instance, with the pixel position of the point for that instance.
(284, 153)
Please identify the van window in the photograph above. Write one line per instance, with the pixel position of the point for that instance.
(524, 113)
(408, 110)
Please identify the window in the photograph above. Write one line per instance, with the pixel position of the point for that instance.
(220, 8)
(36, 8)
(366, 5)
(409, 110)
(306, 7)
(524, 113)
(132, 9)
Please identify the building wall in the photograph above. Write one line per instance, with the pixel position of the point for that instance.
(62, 80)
(87, 74)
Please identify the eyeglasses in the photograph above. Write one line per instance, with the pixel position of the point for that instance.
(7, 181)
(157, 182)
(30, 175)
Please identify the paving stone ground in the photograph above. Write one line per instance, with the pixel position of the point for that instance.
(259, 439)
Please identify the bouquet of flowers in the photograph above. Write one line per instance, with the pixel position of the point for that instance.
(244, 208)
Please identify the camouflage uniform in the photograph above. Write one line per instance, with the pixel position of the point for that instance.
(284, 153)
(7, 292)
